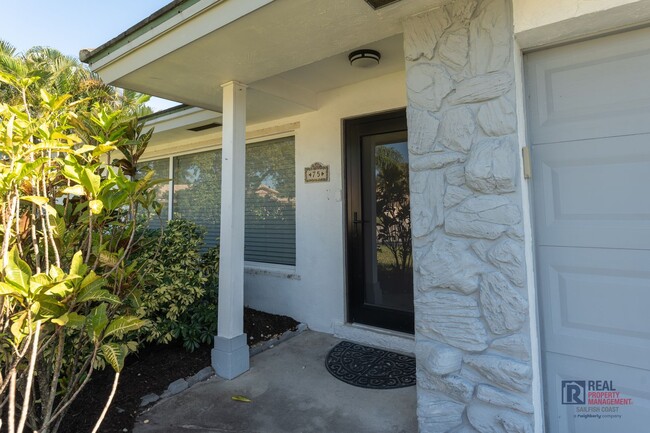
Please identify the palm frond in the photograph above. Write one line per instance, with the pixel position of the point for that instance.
(6, 48)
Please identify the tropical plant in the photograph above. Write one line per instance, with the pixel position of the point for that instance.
(49, 69)
(179, 286)
(68, 291)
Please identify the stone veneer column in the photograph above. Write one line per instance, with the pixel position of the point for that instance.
(471, 307)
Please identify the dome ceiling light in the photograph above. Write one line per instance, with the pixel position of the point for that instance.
(364, 58)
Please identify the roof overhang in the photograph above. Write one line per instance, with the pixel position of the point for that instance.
(286, 51)
(182, 124)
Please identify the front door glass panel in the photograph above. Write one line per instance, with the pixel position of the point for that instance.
(387, 228)
(379, 252)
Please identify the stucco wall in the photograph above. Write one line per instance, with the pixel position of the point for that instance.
(313, 292)
(318, 298)
(539, 23)
(471, 306)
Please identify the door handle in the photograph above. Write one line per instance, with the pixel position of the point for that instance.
(356, 221)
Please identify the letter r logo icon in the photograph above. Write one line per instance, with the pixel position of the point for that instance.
(573, 392)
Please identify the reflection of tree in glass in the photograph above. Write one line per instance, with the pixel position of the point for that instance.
(270, 195)
(270, 182)
(270, 188)
(160, 168)
(271, 163)
(270, 202)
(197, 191)
(393, 207)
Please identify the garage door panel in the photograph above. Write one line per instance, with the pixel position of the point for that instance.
(589, 126)
(590, 301)
(583, 90)
(593, 193)
(632, 383)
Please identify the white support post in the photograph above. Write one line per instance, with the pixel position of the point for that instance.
(230, 356)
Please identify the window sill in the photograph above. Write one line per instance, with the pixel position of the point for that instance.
(271, 270)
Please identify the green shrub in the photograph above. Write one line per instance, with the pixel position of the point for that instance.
(179, 295)
(198, 325)
(67, 232)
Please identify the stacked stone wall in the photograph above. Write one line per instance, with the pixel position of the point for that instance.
(471, 306)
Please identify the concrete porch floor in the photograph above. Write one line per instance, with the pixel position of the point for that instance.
(291, 392)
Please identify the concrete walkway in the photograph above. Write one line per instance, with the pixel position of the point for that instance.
(291, 392)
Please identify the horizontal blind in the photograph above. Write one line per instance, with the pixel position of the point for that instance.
(197, 192)
(161, 171)
(270, 209)
(271, 202)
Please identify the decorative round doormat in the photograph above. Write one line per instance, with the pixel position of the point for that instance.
(368, 367)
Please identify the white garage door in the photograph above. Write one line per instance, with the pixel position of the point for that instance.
(589, 126)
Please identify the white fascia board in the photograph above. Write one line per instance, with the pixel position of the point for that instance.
(181, 119)
(191, 24)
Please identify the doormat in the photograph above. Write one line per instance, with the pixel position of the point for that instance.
(368, 367)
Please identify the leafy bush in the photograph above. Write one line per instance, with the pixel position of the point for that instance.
(67, 229)
(179, 286)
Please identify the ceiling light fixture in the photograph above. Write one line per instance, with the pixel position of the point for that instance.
(364, 58)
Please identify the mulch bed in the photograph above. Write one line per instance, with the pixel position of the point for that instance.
(150, 371)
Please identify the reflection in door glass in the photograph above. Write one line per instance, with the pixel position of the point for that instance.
(393, 279)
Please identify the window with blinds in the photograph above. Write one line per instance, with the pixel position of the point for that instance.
(161, 171)
(271, 202)
(197, 191)
(270, 209)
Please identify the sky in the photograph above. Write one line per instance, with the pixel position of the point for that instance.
(71, 25)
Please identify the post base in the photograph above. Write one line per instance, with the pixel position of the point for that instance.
(230, 356)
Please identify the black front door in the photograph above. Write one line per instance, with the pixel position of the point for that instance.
(380, 264)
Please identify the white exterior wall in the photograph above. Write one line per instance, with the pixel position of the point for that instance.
(541, 23)
(318, 298)
(529, 14)
(314, 292)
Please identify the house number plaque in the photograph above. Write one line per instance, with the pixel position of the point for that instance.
(317, 172)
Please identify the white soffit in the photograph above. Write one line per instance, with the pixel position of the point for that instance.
(187, 117)
(286, 51)
(175, 126)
